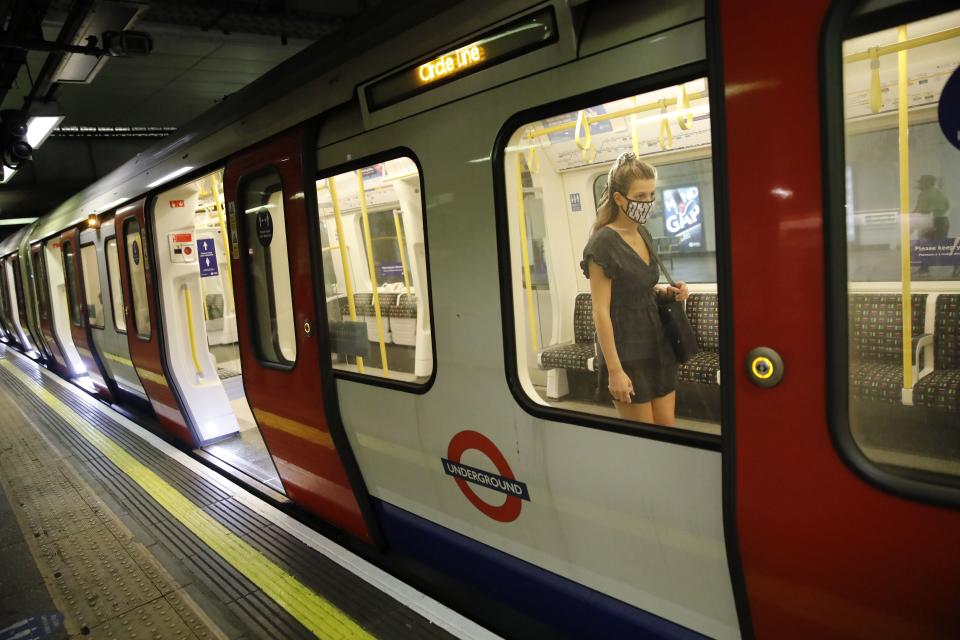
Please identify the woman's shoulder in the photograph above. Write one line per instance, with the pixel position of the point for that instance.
(600, 249)
(603, 235)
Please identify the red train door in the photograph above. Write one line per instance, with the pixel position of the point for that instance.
(273, 281)
(826, 549)
(43, 308)
(142, 318)
(76, 303)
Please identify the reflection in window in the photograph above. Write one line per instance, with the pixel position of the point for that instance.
(902, 192)
(73, 301)
(116, 295)
(374, 270)
(40, 284)
(268, 274)
(136, 264)
(91, 285)
(556, 171)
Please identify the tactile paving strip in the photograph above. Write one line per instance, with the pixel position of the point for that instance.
(105, 583)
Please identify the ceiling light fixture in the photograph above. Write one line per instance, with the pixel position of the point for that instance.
(169, 176)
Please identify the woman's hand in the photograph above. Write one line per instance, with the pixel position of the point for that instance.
(679, 293)
(620, 386)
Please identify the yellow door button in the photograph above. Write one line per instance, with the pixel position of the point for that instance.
(764, 366)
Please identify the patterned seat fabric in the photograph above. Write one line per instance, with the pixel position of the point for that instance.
(876, 370)
(941, 389)
(702, 312)
(702, 368)
(574, 355)
(404, 306)
(363, 303)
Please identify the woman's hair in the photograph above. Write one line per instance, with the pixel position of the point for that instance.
(624, 170)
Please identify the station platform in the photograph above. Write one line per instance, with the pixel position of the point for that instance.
(107, 531)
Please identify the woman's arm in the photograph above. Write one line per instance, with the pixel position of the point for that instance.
(621, 388)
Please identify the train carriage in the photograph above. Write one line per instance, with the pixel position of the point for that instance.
(356, 285)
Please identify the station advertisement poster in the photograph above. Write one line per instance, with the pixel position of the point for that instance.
(683, 218)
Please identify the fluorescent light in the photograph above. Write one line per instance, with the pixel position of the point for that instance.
(7, 174)
(11, 221)
(112, 204)
(39, 127)
(170, 176)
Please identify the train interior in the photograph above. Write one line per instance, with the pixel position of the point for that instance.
(57, 290)
(555, 170)
(374, 265)
(200, 323)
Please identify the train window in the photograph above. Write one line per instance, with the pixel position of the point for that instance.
(91, 285)
(265, 234)
(900, 173)
(73, 300)
(374, 270)
(136, 264)
(116, 295)
(657, 145)
(40, 284)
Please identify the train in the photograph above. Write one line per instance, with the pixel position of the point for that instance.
(356, 284)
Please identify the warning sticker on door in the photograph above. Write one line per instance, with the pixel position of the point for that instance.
(503, 481)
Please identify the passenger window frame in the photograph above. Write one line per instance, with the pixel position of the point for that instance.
(254, 325)
(146, 282)
(113, 306)
(649, 83)
(392, 153)
(842, 24)
(86, 313)
(73, 305)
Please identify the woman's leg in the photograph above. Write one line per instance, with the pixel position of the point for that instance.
(637, 412)
(664, 409)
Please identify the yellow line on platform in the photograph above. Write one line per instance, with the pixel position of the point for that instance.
(312, 610)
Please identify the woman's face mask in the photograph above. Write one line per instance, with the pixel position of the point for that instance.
(638, 210)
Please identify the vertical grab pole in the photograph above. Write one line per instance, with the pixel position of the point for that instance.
(193, 337)
(341, 245)
(373, 273)
(903, 127)
(525, 254)
(401, 243)
(214, 185)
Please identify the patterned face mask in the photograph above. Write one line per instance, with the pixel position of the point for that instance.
(638, 210)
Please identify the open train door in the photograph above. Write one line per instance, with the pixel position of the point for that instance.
(846, 527)
(44, 317)
(141, 313)
(79, 325)
(276, 322)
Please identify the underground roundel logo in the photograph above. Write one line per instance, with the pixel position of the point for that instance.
(503, 481)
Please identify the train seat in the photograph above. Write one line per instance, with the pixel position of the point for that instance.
(876, 372)
(403, 319)
(363, 303)
(703, 368)
(578, 355)
(940, 390)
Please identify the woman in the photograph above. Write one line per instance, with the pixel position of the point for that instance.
(639, 363)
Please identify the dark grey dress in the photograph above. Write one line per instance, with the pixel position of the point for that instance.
(644, 351)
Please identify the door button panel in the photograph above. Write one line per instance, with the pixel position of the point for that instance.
(764, 367)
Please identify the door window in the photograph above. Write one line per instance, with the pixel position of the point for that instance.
(73, 300)
(902, 198)
(136, 263)
(375, 272)
(116, 295)
(91, 285)
(268, 268)
(40, 282)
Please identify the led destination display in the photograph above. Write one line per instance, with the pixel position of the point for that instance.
(520, 36)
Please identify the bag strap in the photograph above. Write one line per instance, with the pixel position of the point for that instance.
(653, 254)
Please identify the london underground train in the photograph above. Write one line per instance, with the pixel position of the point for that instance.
(357, 282)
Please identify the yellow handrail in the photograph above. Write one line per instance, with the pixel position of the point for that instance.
(403, 253)
(342, 245)
(904, 45)
(214, 184)
(904, 131)
(525, 255)
(373, 272)
(193, 337)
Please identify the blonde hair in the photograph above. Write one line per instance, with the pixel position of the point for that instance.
(623, 172)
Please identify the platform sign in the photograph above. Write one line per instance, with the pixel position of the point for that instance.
(941, 252)
(503, 481)
(207, 253)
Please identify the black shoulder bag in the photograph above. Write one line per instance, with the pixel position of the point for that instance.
(675, 323)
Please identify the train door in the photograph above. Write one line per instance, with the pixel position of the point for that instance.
(140, 318)
(98, 252)
(44, 320)
(79, 313)
(30, 306)
(15, 296)
(273, 281)
(5, 315)
(200, 325)
(845, 494)
(59, 308)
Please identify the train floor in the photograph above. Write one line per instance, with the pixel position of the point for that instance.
(107, 531)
